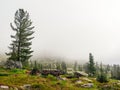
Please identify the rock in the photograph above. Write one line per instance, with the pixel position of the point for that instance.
(61, 78)
(78, 82)
(18, 64)
(4, 87)
(64, 79)
(118, 83)
(22, 87)
(88, 85)
(27, 86)
(10, 64)
(88, 80)
(70, 71)
(106, 86)
(78, 74)
(15, 88)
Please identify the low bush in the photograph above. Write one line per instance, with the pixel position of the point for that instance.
(102, 78)
(34, 71)
(4, 74)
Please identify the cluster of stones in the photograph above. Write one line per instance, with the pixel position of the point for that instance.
(24, 87)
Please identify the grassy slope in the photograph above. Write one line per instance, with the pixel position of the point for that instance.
(17, 78)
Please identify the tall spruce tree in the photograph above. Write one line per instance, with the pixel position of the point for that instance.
(91, 65)
(20, 49)
(64, 67)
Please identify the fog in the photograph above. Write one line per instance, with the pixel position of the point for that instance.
(68, 28)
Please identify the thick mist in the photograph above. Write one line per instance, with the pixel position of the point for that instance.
(68, 28)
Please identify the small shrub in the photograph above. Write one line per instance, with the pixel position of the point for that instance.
(34, 71)
(4, 74)
(102, 78)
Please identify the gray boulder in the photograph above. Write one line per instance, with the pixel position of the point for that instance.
(10, 64)
(88, 85)
(27, 86)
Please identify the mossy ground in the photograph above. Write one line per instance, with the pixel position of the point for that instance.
(17, 78)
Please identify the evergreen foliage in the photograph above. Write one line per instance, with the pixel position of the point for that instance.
(102, 77)
(91, 66)
(20, 49)
(80, 68)
(115, 72)
(75, 66)
(97, 66)
(35, 69)
(58, 66)
(64, 67)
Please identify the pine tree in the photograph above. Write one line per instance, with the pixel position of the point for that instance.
(58, 66)
(20, 46)
(102, 76)
(80, 68)
(115, 72)
(64, 67)
(97, 66)
(75, 66)
(35, 69)
(91, 65)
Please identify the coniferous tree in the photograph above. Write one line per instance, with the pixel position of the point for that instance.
(91, 65)
(97, 67)
(115, 72)
(75, 66)
(58, 66)
(102, 76)
(64, 67)
(49, 66)
(86, 67)
(35, 69)
(20, 46)
(41, 67)
(80, 68)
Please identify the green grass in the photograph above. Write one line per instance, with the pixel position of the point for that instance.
(17, 71)
(18, 77)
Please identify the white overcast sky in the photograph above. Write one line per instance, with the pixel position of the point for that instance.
(68, 28)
